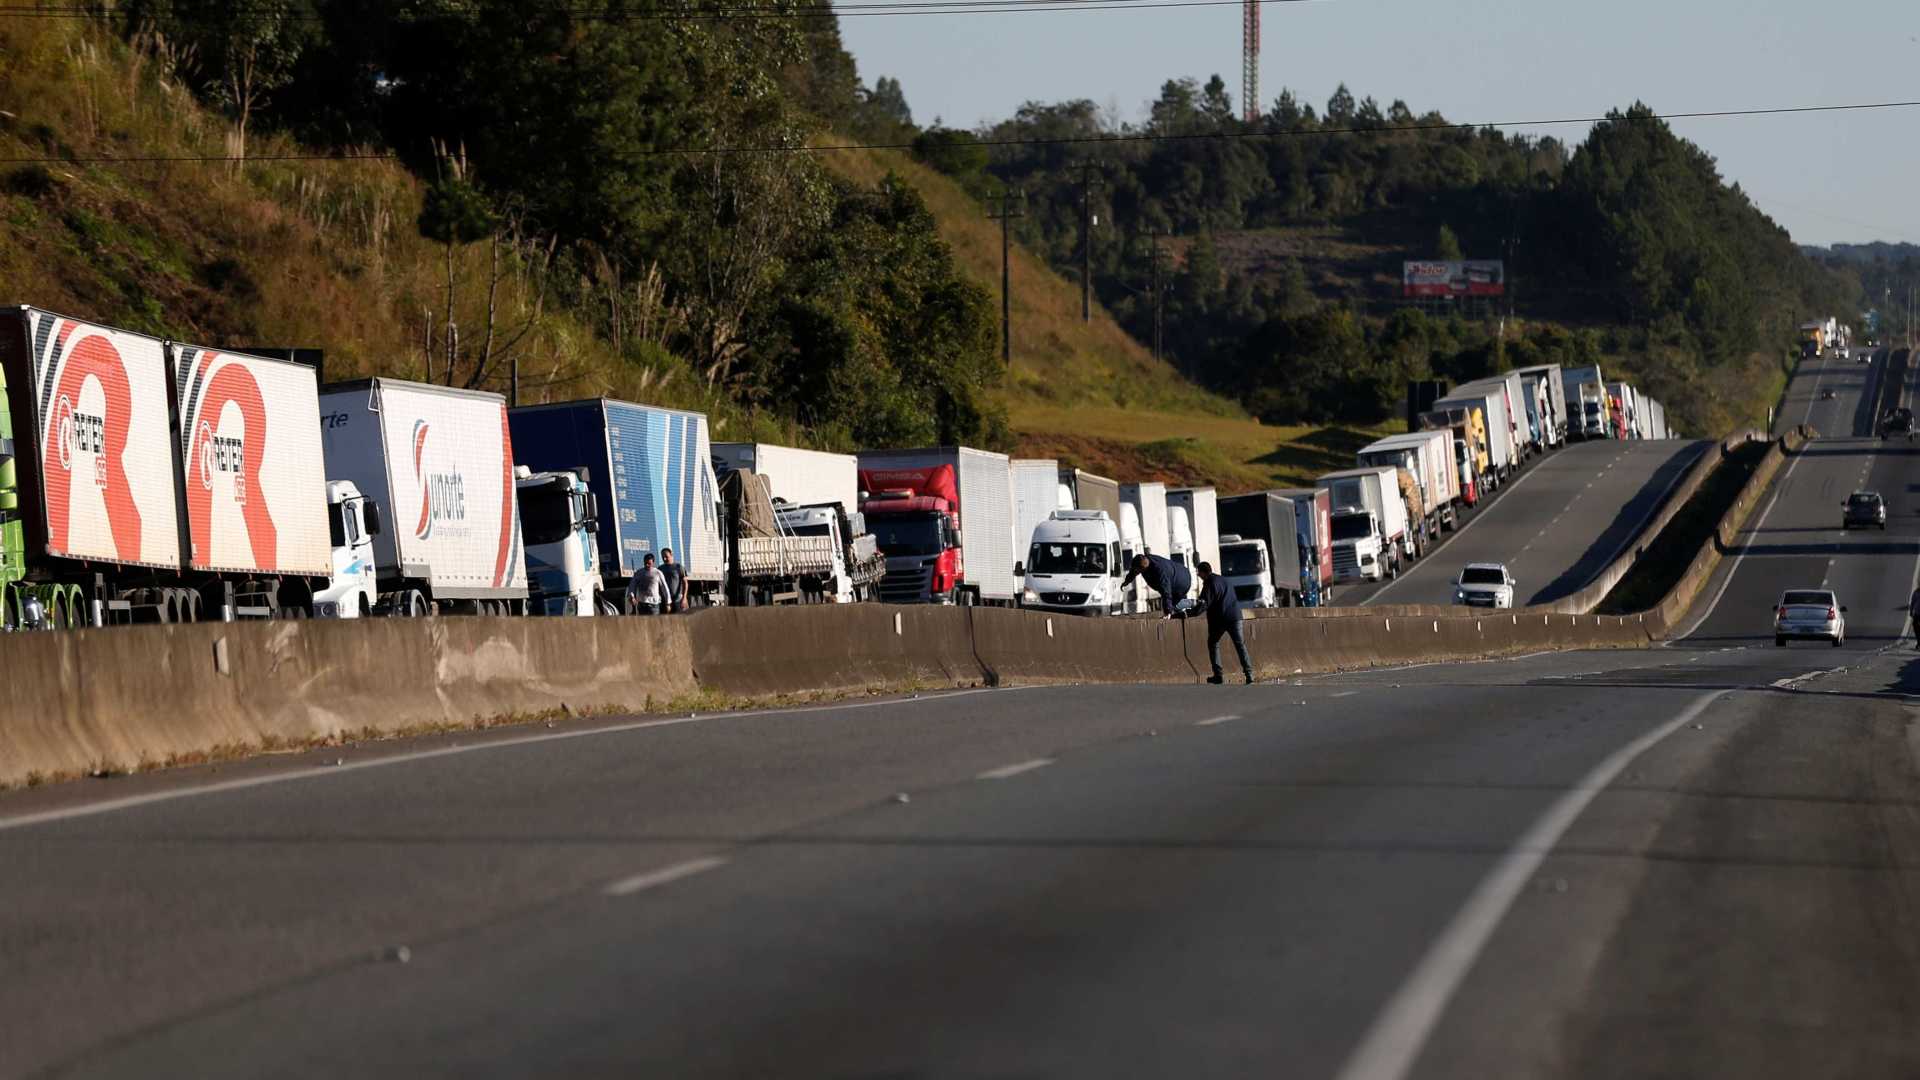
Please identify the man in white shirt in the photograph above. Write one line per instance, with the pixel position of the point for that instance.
(651, 587)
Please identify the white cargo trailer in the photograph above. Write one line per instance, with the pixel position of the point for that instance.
(1552, 381)
(1036, 495)
(799, 477)
(1429, 456)
(256, 482)
(1149, 501)
(1203, 516)
(439, 461)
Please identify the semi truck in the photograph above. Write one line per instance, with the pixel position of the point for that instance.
(1260, 549)
(1488, 406)
(1313, 525)
(1369, 523)
(1590, 416)
(144, 480)
(1429, 457)
(1202, 508)
(559, 523)
(440, 462)
(1507, 433)
(1082, 490)
(778, 553)
(1627, 403)
(1467, 425)
(650, 471)
(800, 477)
(944, 520)
(1548, 381)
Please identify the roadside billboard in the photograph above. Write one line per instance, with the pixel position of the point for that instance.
(1439, 277)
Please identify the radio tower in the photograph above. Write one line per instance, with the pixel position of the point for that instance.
(1250, 63)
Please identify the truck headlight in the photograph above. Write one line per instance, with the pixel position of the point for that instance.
(1029, 597)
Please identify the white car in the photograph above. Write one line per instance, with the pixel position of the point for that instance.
(1484, 585)
(1809, 613)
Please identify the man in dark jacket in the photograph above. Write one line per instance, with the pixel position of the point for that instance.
(1164, 576)
(1223, 619)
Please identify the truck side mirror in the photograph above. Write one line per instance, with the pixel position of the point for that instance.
(593, 525)
(372, 511)
(1019, 569)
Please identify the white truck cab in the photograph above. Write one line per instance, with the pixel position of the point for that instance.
(1248, 571)
(559, 519)
(354, 588)
(824, 520)
(1074, 565)
(1359, 551)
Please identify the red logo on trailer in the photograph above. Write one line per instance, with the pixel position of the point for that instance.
(214, 453)
(76, 442)
(509, 521)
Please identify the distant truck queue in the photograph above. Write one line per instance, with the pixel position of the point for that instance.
(144, 480)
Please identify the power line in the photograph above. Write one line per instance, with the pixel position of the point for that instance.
(1072, 140)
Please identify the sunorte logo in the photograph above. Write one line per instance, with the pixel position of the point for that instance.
(443, 495)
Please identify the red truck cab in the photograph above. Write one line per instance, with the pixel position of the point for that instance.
(914, 517)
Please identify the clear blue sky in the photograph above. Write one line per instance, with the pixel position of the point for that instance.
(1826, 177)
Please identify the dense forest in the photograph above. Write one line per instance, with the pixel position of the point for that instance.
(1629, 247)
(652, 170)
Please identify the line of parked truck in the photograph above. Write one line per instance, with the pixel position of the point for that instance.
(144, 480)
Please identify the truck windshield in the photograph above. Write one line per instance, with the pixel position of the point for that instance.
(1352, 526)
(546, 513)
(907, 534)
(1243, 560)
(1067, 559)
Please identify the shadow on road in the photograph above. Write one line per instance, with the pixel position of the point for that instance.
(1614, 538)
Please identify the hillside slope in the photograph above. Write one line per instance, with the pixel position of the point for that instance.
(1087, 392)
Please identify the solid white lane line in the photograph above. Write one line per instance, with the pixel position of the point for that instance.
(109, 806)
(1394, 1041)
(643, 882)
(1006, 771)
(1217, 720)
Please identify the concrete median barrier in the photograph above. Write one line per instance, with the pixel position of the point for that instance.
(762, 652)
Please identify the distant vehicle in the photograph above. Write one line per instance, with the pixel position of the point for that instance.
(1826, 395)
(1864, 356)
(1809, 614)
(1865, 509)
(1897, 422)
(1484, 585)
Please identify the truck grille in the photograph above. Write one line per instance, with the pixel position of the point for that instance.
(1064, 599)
(1345, 561)
(906, 586)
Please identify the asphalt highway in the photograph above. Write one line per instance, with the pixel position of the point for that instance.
(1696, 860)
(1556, 526)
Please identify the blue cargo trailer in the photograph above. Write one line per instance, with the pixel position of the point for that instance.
(650, 470)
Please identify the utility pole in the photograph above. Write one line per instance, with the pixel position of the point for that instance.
(1250, 63)
(1005, 216)
(1159, 319)
(1089, 178)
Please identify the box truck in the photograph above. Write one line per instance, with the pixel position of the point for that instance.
(1149, 503)
(1369, 522)
(1082, 490)
(1490, 403)
(1313, 525)
(1260, 549)
(440, 464)
(1548, 380)
(151, 481)
(1588, 414)
(1036, 495)
(799, 477)
(650, 471)
(1202, 508)
(944, 520)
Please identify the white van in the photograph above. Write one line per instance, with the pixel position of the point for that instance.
(1074, 565)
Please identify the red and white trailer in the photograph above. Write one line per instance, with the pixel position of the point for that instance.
(118, 522)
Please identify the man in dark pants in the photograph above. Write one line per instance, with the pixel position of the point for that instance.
(676, 579)
(1913, 612)
(1223, 619)
(1164, 576)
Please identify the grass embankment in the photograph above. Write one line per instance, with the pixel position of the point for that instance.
(1088, 393)
(1666, 560)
